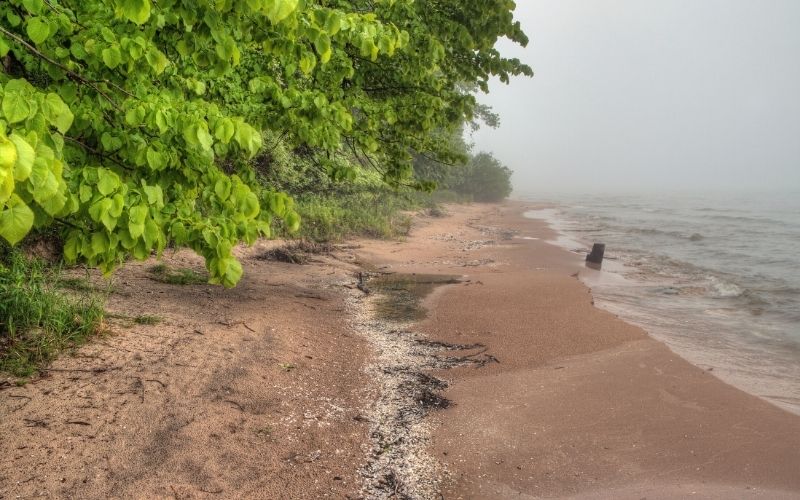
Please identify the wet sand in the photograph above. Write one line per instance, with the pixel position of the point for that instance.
(581, 404)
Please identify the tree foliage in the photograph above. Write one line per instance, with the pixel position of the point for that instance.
(131, 124)
(483, 178)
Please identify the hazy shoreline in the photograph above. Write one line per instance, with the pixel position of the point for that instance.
(580, 402)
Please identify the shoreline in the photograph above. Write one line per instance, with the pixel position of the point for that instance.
(280, 387)
(581, 402)
(733, 359)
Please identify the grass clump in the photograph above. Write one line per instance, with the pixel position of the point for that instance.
(36, 320)
(297, 252)
(369, 213)
(147, 319)
(165, 274)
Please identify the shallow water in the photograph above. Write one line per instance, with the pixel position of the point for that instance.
(400, 294)
(716, 277)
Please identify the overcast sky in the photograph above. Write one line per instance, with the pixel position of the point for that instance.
(652, 94)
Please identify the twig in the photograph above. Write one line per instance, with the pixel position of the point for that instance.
(90, 370)
(234, 403)
(97, 153)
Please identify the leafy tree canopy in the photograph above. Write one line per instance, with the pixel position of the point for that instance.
(130, 124)
(483, 178)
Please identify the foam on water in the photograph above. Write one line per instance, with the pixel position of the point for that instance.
(716, 278)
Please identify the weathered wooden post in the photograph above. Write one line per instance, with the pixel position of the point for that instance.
(595, 257)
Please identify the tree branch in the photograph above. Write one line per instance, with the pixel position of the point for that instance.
(69, 72)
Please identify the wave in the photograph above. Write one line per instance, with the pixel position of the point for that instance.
(748, 219)
(674, 234)
(725, 290)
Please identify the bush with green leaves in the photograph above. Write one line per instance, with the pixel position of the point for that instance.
(131, 124)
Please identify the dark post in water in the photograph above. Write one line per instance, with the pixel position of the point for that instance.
(596, 255)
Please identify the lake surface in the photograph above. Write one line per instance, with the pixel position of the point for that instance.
(717, 277)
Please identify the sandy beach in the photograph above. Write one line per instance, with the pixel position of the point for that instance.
(291, 384)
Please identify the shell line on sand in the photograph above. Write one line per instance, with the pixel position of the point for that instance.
(398, 464)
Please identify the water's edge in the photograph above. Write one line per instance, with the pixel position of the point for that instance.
(760, 370)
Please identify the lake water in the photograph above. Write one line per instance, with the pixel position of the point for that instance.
(716, 277)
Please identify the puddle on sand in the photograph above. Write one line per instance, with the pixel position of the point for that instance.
(400, 294)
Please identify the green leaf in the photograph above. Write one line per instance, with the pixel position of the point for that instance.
(292, 222)
(333, 23)
(126, 240)
(155, 196)
(151, 233)
(6, 186)
(137, 11)
(227, 271)
(54, 204)
(224, 130)
(15, 107)
(109, 221)
(140, 251)
(4, 47)
(33, 6)
(178, 232)
(58, 113)
(222, 188)
(162, 121)
(112, 57)
(100, 243)
(203, 137)
(248, 138)
(307, 63)
(71, 247)
(156, 159)
(117, 205)
(136, 218)
(249, 205)
(196, 134)
(25, 158)
(135, 116)
(278, 10)
(108, 181)
(85, 193)
(323, 46)
(16, 220)
(38, 30)
(43, 180)
(99, 208)
(8, 155)
(157, 60)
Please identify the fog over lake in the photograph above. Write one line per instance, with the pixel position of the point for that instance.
(636, 95)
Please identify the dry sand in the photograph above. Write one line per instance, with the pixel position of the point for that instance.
(289, 386)
(253, 392)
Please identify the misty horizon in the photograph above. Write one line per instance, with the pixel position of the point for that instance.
(651, 96)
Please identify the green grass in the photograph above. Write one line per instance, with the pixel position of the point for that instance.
(165, 274)
(370, 213)
(37, 321)
(82, 285)
(147, 319)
